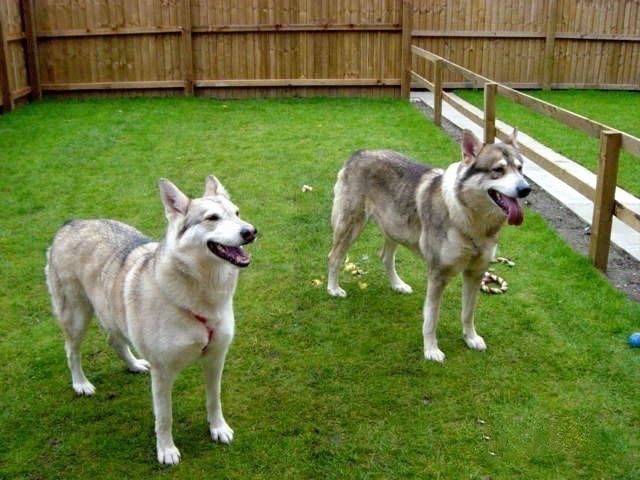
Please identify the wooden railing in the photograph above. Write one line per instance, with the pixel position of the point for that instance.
(605, 204)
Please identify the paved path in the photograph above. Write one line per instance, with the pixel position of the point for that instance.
(622, 235)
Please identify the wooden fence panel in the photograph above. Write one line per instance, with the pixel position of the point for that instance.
(501, 40)
(111, 44)
(14, 79)
(309, 44)
(104, 62)
(296, 56)
(529, 44)
(78, 17)
(304, 47)
(597, 44)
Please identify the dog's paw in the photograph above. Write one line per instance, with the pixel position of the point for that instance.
(336, 292)
(84, 388)
(139, 366)
(402, 287)
(476, 342)
(169, 455)
(222, 434)
(434, 354)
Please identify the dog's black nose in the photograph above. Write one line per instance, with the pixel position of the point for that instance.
(249, 234)
(523, 191)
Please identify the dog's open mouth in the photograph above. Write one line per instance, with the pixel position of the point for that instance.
(509, 205)
(234, 255)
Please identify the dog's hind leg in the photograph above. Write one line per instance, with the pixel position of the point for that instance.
(388, 257)
(74, 325)
(73, 312)
(121, 346)
(470, 287)
(347, 225)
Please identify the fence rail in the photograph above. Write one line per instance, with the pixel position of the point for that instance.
(611, 142)
(306, 47)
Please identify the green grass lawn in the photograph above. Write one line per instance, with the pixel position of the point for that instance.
(618, 110)
(315, 387)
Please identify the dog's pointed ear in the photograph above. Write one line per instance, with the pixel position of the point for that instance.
(471, 146)
(512, 139)
(213, 187)
(175, 202)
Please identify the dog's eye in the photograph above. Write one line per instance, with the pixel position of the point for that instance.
(237, 213)
(498, 170)
(213, 218)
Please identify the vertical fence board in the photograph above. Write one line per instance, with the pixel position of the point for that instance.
(31, 48)
(186, 51)
(550, 40)
(5, 84)
(405, 76)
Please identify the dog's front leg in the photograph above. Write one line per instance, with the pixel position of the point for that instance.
(436, 283)
(161, 387)
(470, 287)
(213, 365)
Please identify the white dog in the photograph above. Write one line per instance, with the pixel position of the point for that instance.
(172, 300)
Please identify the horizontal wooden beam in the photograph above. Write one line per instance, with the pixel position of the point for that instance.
(602, 37)
(464, 84)
(612, 37)
(110, 31)
(460, 106)
(16, 36)
(631, 144)
(421, 81)
(264, 82)
(21, 92)
(421, 52)
(626, 215)
(299, 27)
(300, 82)
(579, 122)
(317, 27)
(112, 85)
(567, 117)
(477, 81)
(595, 86)
(475, 34)
(201, 29)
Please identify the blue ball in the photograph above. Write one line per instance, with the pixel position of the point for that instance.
(634, 339)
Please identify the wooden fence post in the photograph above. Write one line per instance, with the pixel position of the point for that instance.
(32, 59)
(604, 201)
(5, 85)
(438, 70)
(550, 43)
(187, 48)
(490, 91)
(405, 56)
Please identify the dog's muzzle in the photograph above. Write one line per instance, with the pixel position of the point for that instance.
(232, 254)
(510, 205)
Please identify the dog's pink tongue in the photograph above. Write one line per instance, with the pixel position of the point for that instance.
(515, 215)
